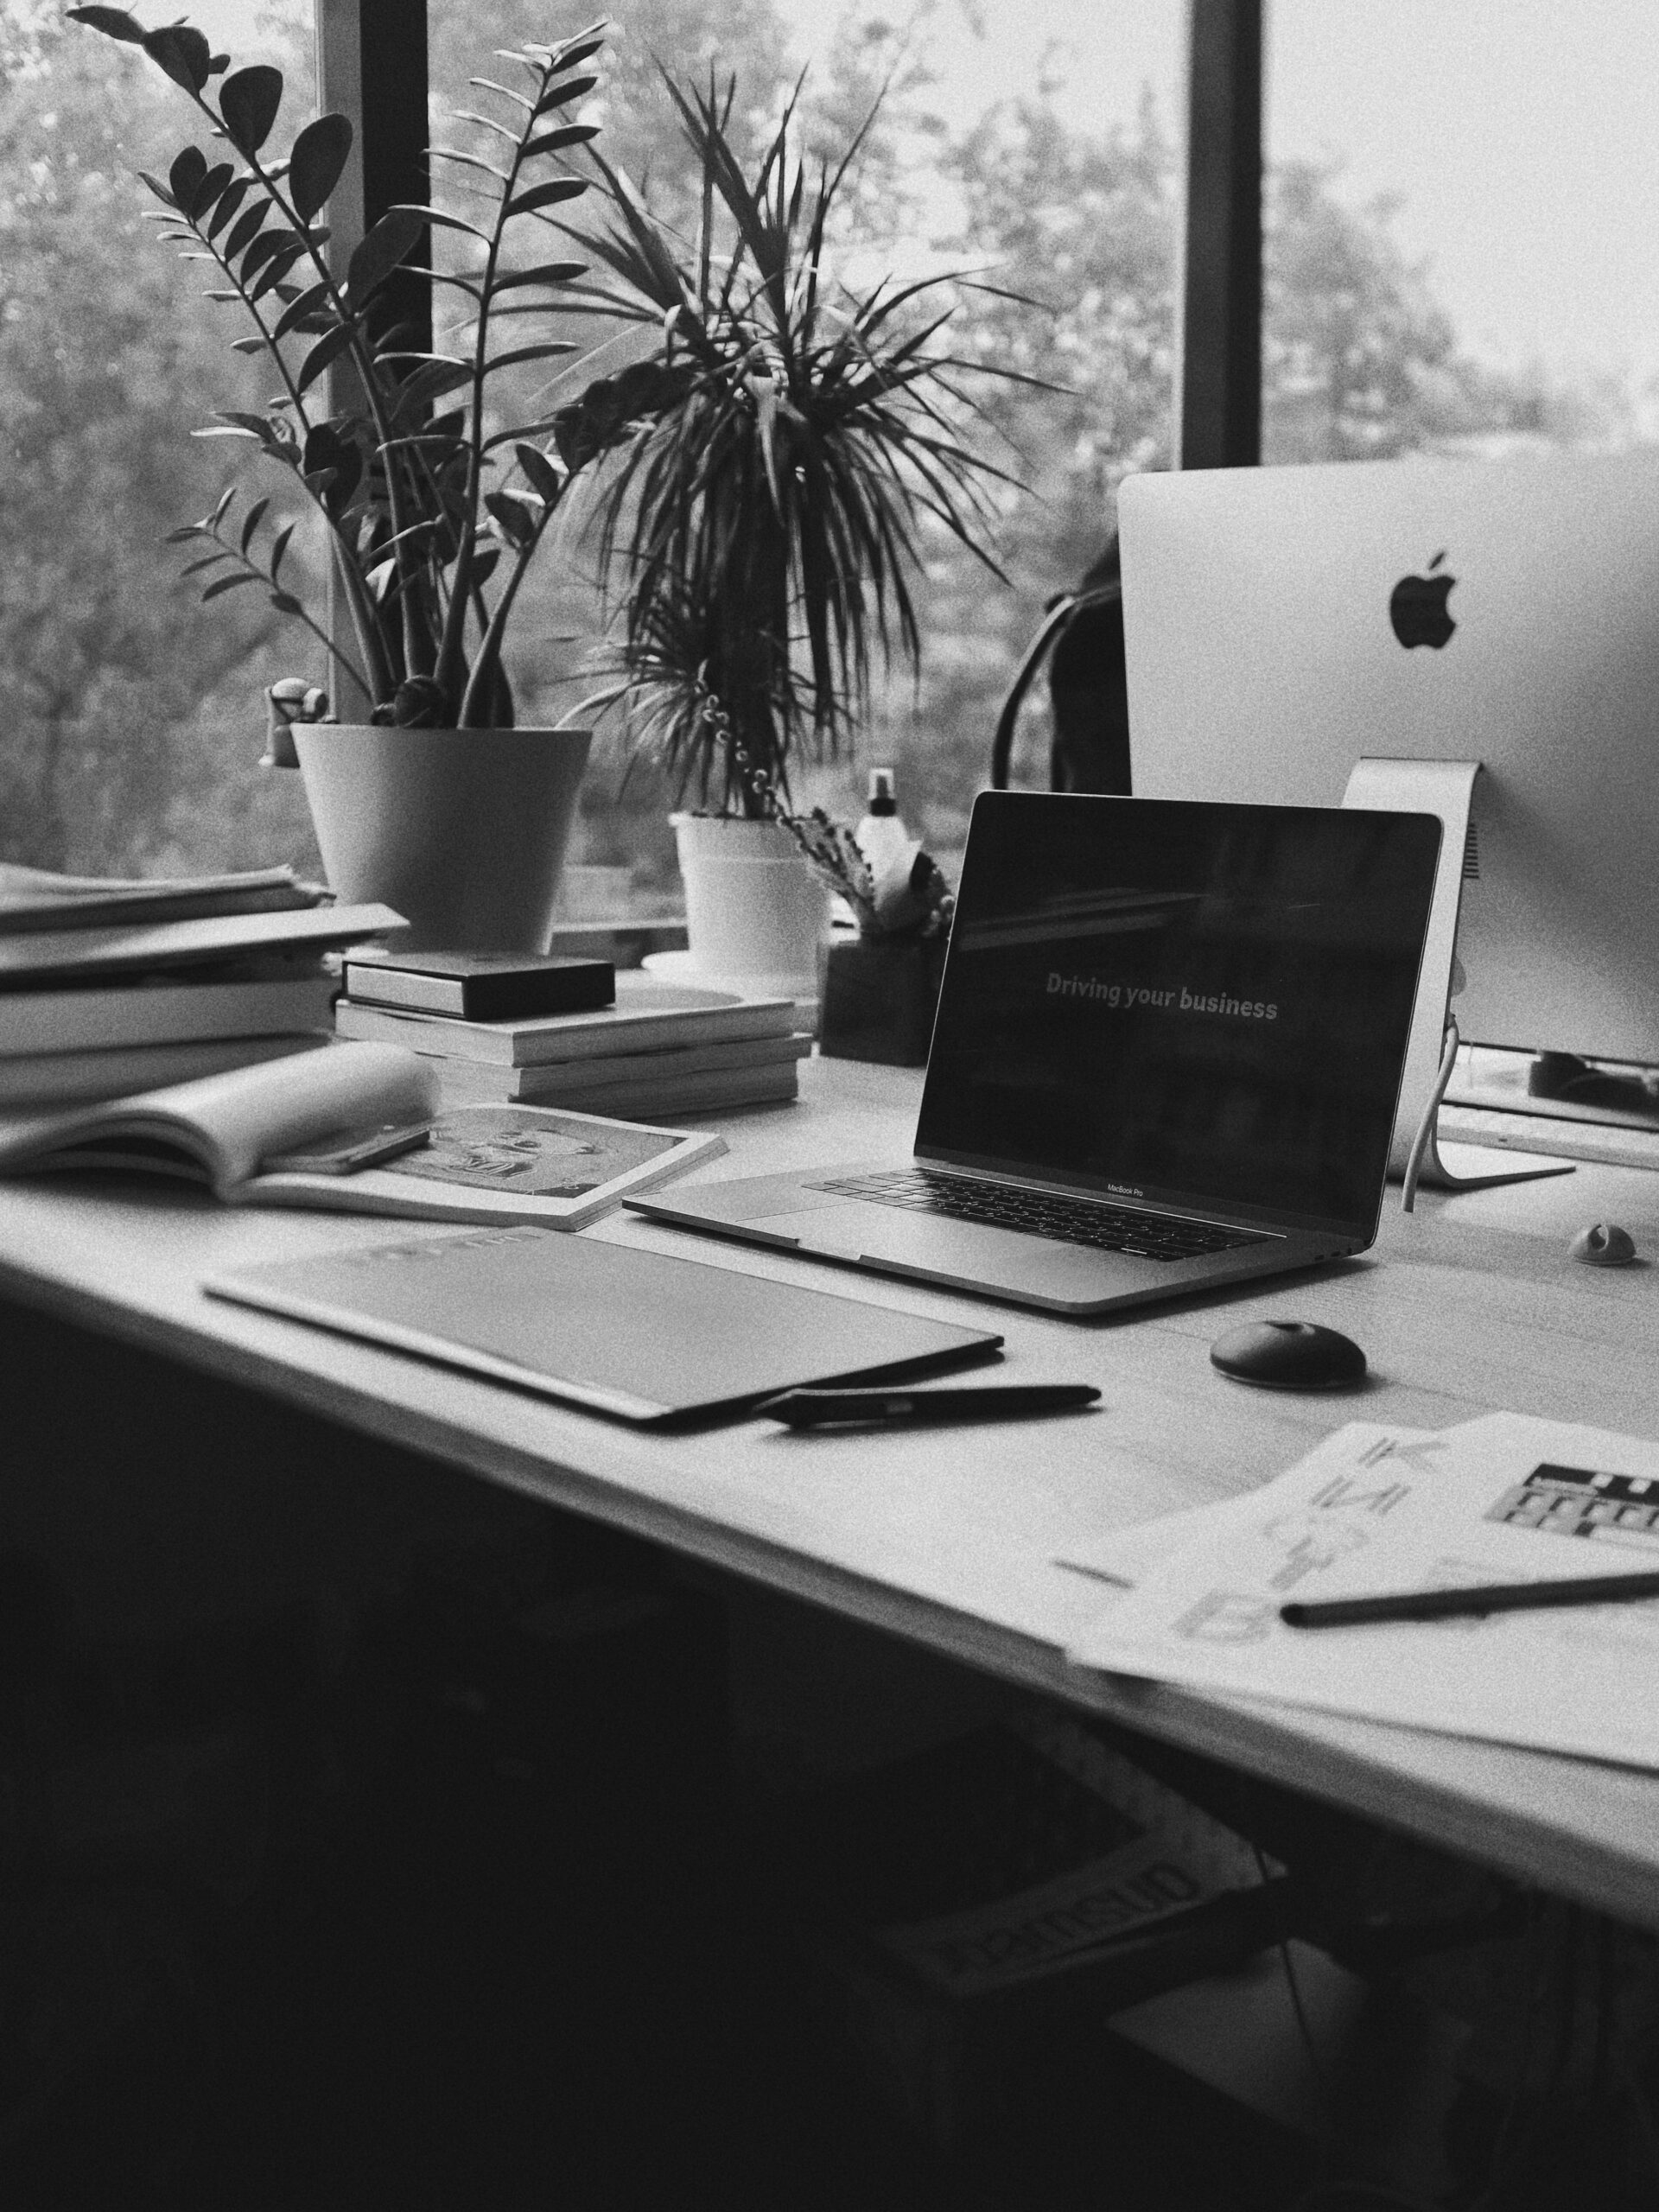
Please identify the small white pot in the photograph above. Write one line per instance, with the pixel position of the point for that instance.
(462, 831)
(753, 905)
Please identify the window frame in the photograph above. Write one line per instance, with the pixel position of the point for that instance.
(1217, 396)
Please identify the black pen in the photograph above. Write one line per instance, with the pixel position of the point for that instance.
(917, 1408)
(1473, 1598)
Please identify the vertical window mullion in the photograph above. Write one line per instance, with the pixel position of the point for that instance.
(1218, 295)
(371, 68)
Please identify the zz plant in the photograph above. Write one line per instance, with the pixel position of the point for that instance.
(434, 509)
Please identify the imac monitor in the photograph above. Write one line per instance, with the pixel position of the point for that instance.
(1282, 623)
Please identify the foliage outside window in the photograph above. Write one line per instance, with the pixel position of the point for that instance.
(131, 722)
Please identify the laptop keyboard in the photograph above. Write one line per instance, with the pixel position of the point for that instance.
(1068, 1221)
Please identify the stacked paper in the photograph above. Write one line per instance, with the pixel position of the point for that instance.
(112, 987)
(1375, 1510)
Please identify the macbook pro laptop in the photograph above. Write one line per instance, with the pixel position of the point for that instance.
(1166, 1057)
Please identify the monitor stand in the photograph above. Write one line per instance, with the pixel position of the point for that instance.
(1444, 788)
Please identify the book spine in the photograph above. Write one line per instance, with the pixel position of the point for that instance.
(658, 1069)
(688, 1094)
(562, 1040)
(402, 989)
(76, 1078)
(131, 1015)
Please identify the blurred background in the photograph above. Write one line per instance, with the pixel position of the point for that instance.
(1459, 259)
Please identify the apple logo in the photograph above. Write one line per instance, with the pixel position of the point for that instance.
(1417, 607)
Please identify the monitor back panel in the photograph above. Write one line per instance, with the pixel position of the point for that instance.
(1273, 640)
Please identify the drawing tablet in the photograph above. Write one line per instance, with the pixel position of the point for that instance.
(641, 1336)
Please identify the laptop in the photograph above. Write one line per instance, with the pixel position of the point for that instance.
(1167, 1058)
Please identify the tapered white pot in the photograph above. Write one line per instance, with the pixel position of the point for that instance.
(754, 909)
(462, 831)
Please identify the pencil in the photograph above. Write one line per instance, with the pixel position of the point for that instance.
(1474, 1598)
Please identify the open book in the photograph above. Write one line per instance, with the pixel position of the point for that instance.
(496, 1163)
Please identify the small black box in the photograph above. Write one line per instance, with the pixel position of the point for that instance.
(481, 986)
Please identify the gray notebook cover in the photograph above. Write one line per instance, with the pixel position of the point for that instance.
(640, 1335)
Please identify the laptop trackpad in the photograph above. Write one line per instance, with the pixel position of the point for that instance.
(874, 1232)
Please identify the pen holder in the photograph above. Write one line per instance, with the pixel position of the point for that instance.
(880, 995)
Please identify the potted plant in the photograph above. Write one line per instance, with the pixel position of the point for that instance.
(432, 506)
(760, 525)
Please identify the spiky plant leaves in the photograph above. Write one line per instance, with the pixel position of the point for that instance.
(445, 221)
(551, 349)
(547, 272)
(763, 526)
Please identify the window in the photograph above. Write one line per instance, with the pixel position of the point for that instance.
(131, 719)
(1046, 151)
(1460, 255)
(1042, 151)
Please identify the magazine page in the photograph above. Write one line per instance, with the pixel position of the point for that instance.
(228, 1123)
(503, 1163)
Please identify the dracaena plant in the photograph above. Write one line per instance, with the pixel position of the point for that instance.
(432, 518)
(762, 525)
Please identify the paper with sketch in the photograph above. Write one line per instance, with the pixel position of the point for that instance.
(1377, 1509)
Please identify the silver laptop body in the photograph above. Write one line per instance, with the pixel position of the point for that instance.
(1280, 624)
(1167, 1058)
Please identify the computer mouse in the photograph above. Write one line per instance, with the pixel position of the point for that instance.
(1289, 1355)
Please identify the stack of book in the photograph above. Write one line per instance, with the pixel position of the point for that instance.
(109, 987)
(658, 1049)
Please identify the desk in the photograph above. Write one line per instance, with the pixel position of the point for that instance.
(948, 1539)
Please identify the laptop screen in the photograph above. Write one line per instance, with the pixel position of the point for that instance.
(1195, 1004)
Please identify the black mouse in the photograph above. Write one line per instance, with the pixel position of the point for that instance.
(1289, 1355)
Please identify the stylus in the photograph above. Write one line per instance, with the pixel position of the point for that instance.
(1473, 1598)
(914, 1408)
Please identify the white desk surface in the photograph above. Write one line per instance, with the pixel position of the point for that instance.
(948, 1537)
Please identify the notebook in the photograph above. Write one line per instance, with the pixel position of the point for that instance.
(644, 1336)
(1167, 1054)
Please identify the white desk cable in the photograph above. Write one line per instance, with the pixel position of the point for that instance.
(1419, 1143)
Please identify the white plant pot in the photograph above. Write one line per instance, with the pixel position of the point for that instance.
(462, 831)
(754, 908)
